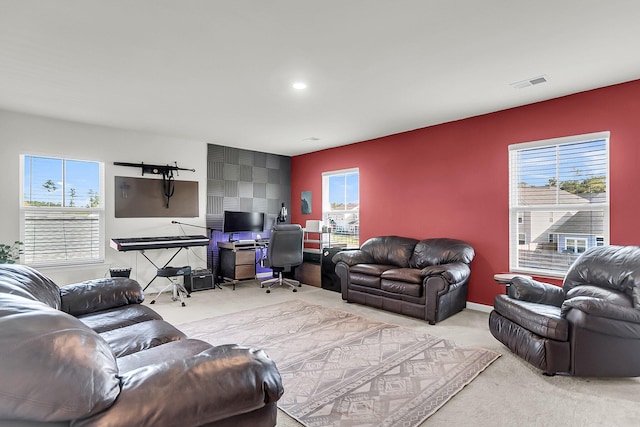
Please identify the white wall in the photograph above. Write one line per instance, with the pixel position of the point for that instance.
(27, 134)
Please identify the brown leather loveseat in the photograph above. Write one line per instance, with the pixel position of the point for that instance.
(588, 327)
(426, 278)
(90, 354)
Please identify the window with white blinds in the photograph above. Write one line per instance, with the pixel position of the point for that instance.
(61, 210)
(341, 206)
(558, 201)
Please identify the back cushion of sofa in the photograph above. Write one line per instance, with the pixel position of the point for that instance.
(438, 251)
(52, 366)
(609, 267)
(610, 295)
(27, 282)
(390, 250)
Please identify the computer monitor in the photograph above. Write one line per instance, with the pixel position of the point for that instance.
(239, 222)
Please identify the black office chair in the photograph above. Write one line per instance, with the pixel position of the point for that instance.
(284, 255)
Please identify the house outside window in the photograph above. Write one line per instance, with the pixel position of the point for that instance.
(61, 209)
(341, 206)
(560, 188)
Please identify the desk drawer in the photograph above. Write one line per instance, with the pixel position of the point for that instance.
(245, 272)
(246, 257)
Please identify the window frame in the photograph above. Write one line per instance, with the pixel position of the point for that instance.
(515, 210)
(64, 210)
(577, 243)
(352, 238)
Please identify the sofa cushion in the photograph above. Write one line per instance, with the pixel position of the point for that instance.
(610, 295)
(393, 250)
(611, 267)
(366, 280)
(180, 350)
(54, 368)
(409, 275)
(27, 282)
(119, 317)
(100, 294)
(440, 251)
(371, 269)
(141, 336)
(401, 288)
(541, 319)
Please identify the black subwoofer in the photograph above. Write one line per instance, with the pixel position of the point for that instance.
(329, 279)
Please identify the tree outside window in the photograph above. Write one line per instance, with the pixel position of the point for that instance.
(62, 216)
(559, 190)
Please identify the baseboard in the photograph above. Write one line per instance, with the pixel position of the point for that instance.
(479, 307)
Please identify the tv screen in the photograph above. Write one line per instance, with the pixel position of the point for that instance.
(238, 222)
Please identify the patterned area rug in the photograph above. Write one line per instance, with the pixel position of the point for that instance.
(341, 369)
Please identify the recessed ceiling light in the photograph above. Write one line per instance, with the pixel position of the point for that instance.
(299, 85)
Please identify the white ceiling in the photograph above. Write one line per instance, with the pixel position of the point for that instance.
(221, 71)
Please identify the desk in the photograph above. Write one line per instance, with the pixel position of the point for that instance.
(238, 260)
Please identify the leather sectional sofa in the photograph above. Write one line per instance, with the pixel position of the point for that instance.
(426, 278)
(90, 354)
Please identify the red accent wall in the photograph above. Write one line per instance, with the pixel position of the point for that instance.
(451, 180)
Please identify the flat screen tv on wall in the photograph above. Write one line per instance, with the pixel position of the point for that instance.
(239, 222)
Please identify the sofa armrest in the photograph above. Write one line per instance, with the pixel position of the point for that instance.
(454, 272)
(215, 384)
(602, 308)
(526, 289)
(100, 294)
(353, 257)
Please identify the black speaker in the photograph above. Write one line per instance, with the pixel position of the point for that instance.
(198, 280)
(120, 272)
(329, 279)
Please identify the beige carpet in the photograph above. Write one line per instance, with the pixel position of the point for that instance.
(340, 369)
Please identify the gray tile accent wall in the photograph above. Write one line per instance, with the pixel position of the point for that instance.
(244, 180)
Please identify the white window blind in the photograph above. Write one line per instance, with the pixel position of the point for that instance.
(61, 211)
(341, 206)
(559, 201)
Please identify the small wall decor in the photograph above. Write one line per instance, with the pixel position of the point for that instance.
(306, 203)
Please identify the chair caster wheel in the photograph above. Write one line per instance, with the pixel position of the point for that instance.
(184, 305)
(188, 296)
(153, 302)
(299, 285)
(295, 290)
(268, 291)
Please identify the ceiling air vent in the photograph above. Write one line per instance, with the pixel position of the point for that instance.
(529, 82)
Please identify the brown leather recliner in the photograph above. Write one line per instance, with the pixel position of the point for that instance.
(589, 327)
(90, 354)
(426, 279)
